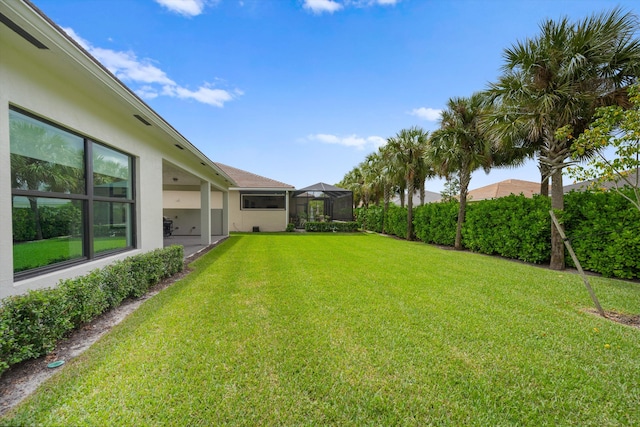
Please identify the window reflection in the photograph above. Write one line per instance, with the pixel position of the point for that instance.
(46, 231)
(45, 158)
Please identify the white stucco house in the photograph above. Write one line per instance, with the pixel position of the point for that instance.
(86, 167)
(257, 203)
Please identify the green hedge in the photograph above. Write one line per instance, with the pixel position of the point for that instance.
(436, 223)
(604, 233)
(32, 324)
(340, 227)
(513, 227)
(604, 228)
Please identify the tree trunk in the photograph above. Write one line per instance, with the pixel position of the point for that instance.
(465, 178)
(544, 179)
(410, 190)
(385, 209)
(33, 203)
(557, 204)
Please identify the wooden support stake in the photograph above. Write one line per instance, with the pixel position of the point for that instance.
(567, 243)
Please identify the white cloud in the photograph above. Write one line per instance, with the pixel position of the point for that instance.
(128, 68)
(184, 7)
(429, 114)
(355, 141)
(321, 6)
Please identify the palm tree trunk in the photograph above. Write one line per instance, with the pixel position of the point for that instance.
(557, 203)
(410, 190)
(465, 178)
(33, 203)
(544, 178)
(385, 209)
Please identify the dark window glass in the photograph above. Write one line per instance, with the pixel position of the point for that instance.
(111, 226)
(50, 169)
(267, 201)
(111, 173)
(46, 231)
(45, 158)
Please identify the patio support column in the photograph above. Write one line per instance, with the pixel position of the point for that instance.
(286, 207)
(205, 213)
(225, 213)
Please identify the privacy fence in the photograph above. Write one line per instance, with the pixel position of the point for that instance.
(603, 228)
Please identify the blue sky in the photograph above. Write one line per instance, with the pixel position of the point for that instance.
(302, 90)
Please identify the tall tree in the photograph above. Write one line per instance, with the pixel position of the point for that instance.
(460, 147)
(556, 81)
(407, 153)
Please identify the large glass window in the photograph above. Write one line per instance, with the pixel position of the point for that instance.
(46, 231)
(263, 201)
(57, 217)
(45, 158)
(111, 226)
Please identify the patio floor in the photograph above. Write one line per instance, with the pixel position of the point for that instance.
(191, 244)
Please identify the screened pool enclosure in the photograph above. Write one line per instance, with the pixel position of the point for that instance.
(321, 202)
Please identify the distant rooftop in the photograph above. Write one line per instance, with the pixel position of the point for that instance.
(583, 186)
(503, 189)
(246, 179)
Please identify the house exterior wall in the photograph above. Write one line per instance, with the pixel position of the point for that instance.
(65, 93)
(245, 220)
(176, 199)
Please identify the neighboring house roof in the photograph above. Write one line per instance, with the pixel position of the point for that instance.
(585, 185)
(503, 189)
(248, 180)
(429, 197)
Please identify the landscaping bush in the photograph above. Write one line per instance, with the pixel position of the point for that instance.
(340, 227)
(436, 222)
(370, 218)
(396, 221)
(604, 232)
(31, 324)
(513, 227)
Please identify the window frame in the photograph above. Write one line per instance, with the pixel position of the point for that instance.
(87, 198)
(282, 195)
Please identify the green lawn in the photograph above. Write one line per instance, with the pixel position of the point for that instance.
(357, 330)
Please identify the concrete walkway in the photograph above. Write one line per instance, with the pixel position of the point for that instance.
(191, 244)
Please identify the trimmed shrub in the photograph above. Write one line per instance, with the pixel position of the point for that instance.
(336, 227)
(32, 324)
(370, 218)
(604, 232)
(395, 222)
(436, 222)
(513, 227)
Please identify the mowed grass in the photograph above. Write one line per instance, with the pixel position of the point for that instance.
(356, 330)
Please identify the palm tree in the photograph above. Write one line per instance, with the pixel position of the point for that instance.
(556, 81)
(460, 147)
(353, 181)
(407, 152)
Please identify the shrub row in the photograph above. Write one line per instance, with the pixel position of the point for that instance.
(331, 226)
(32, 324)
(604, 228)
